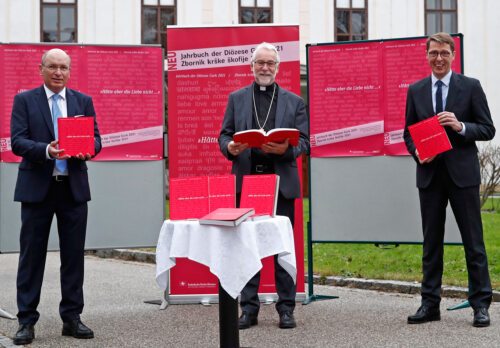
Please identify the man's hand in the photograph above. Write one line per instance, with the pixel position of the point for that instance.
(236, 148)
(54, 152)
(83, 157)
(447, 118)
(427, 160)
(275, 148)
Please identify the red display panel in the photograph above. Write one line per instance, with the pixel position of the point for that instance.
(204, 66)
(125, 83)
(357, 94)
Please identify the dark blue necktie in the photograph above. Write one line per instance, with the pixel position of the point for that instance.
(439, 97)
(61, 165)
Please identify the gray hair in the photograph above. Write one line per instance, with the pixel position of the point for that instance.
(267, 46)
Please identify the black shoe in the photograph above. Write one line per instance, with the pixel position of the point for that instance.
(246, 320)
(287, 321)
(77, 329)
(481, 317)
(25, 334)
(425, 314)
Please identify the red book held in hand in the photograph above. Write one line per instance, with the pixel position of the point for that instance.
(429, 137)
(76, 135)
(257, 137)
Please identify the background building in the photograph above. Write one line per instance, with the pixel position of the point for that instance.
(143, 21)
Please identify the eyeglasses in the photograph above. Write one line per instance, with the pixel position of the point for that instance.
(443, 54)
(54, 68)
(270, 63)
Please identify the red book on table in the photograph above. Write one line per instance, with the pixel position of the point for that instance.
(429, 137)
(194, 197)
(261, 193)
(257, 137)
(76, 135)
(226, 216)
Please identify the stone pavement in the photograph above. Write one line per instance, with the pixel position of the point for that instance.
(115, 291)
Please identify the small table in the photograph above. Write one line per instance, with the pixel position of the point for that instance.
(233, 254)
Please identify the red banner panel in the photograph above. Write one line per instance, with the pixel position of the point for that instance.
(204, 66)
(125, 83)
(357, 94)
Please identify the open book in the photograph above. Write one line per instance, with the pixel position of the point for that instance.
(429, 137)
(226, 216)
(257, 137)
(76, 135)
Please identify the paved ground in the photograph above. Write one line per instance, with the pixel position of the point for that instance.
(115, 291)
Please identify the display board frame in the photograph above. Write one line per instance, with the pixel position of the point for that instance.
(367, 186)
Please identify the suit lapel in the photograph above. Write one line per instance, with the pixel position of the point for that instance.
(248, 107)
(454, 91)
(426, 93)
(43, 104)
(281, 108)
(70, 103)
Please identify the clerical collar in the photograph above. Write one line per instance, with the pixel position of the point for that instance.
(264, 88)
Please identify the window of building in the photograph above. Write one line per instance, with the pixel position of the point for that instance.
(440, 15)
(351, 20)
(58, 20)
(156, 15)
(256, 11)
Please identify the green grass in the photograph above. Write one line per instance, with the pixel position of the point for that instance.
(403, 262)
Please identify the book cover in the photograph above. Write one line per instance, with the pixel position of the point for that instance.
(429, 137)
(221, 192)
(261, 193)
(227, 216)
(188, 198)
(257, 137)
(76, 135)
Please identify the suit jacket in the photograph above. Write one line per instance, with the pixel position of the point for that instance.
(467, 101)
(290, 113)
(32, 130)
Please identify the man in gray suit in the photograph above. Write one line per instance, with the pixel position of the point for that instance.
(453, 176)
(265, 105)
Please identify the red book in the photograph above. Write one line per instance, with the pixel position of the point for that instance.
(429, 137)
(76, 135)
(261, 193)
(227, 216)
(188, 198)
(192, 198)
(257, 137)
(221, 192)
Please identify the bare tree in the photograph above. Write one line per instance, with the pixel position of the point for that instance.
(489, 161)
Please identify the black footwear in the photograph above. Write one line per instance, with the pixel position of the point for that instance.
(246, 320)
(25, 334)
(287, 321)
(425, 314)
(77, 329)
(481, 317)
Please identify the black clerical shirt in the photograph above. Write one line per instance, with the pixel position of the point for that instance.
(262, 102)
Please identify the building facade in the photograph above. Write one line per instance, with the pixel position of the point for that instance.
(124, 22)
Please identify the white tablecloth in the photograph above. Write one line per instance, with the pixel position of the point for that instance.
(233, 254)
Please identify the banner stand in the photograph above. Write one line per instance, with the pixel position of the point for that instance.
(7, 315)
(310, 282)
(462, 305)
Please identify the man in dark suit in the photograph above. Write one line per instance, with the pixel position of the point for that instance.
(49, 184)
(265, 105)
(453, 176)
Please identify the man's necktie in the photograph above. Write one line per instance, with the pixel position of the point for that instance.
(439, 97)
(61, 165)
